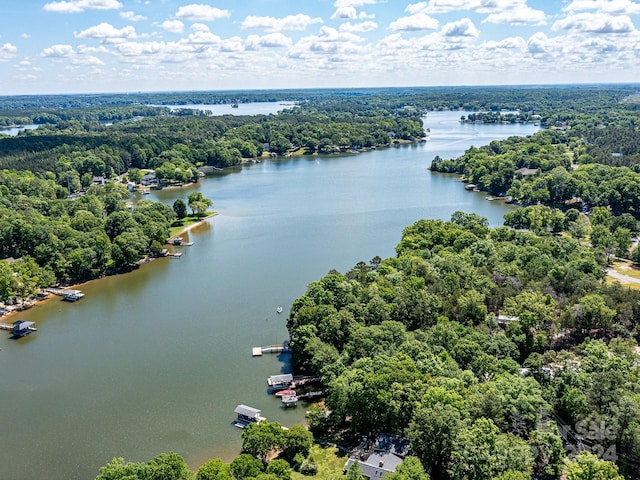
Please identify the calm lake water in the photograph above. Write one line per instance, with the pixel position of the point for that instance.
(156, 360)
(13, 131)
(252, 108)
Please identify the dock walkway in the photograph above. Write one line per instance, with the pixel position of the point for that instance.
(258, 351)
(67, 294)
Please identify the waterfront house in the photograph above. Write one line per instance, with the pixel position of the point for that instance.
(149, 180)
(388, 452)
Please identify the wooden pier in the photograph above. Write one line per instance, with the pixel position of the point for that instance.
(258, 351)
(300, 381)
(310, 395)
(66, 293)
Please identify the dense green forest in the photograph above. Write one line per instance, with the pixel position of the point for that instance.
(492, 350)
(186, 142)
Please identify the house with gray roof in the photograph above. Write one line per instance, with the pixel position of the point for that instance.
(388, 452)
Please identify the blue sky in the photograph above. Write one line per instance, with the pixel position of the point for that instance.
(74, 46)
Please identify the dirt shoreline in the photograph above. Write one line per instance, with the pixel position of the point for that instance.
(43, 297)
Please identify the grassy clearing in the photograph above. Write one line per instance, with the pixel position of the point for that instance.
(330, 463)
(187, 222)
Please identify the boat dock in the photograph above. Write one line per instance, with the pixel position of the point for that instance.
(67, 294)
(19, 328)
(258, 351)
(179, 242)
(310, 395)
(247, 415)
(299, 381)
(288, 382)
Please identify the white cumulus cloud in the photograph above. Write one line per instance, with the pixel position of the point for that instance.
(232, 45)
(519, 15)
(539, 45)
(78, 6)
(199, 27)
(297, 22)
(174, 26)
(201, 37)
(595, 23)
(350, 13)
(443, 6)
(345, 12)
(106, 31)
(461, 28)
(358, 27)
(353, 3)
(418, 21)
(272, 40)
(88, 60)
(132, 16)
(614, 7)
(201, 13)
(7, 51)
(59, 51)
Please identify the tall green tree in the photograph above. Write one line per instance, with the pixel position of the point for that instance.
(587, 466)
(198, 203)
(261, 439)
(180, 208)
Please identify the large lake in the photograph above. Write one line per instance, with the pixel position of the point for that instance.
(251, 108)
(156, 360)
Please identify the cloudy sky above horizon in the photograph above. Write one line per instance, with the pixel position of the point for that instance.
(74, 46)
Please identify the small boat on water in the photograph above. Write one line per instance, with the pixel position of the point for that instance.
(279, 309)
(283, 393)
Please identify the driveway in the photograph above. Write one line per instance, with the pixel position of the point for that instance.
(622, 278)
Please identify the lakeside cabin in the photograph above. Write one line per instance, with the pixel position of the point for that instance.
(280, 382)
(247, 415)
